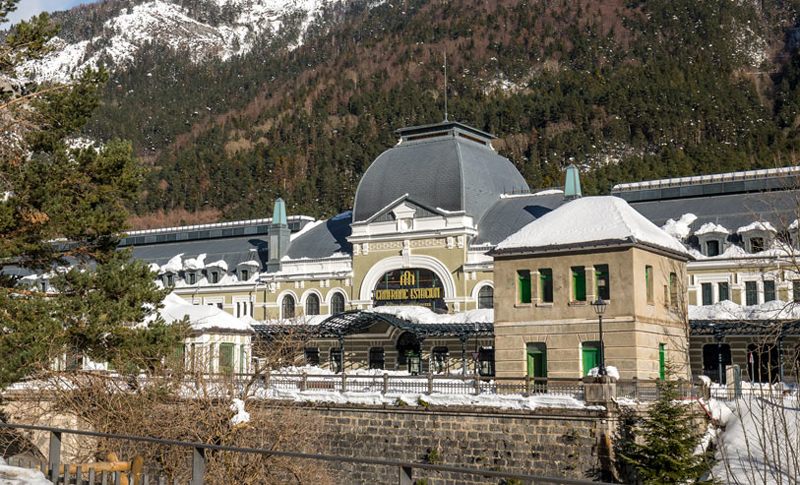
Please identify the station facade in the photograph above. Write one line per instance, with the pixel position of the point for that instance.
(427, 219)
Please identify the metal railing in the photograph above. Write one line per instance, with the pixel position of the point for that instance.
(59, 474)
(425, 384)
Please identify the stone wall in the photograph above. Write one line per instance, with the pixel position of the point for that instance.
(547, 442)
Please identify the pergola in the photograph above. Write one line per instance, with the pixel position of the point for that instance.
(720, 329)
(354, 321)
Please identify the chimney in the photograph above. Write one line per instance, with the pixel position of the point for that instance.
(278, 234)
(572, 188)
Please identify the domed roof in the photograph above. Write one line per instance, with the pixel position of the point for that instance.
(446, 165)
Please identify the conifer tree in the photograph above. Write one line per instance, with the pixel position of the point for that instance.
(61, 215)
(666, 439)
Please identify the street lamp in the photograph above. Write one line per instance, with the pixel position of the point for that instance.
(599, 306)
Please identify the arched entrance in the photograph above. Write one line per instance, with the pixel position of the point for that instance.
(409, 347)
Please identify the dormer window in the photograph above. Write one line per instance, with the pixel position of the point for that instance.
(713, 239)
(756, 244)
(244, 275)
(214, 277)
(712, 248)
(169, 279)
(757, 236)
(191, 277)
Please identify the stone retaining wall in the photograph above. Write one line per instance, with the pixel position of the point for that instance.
(547, 442)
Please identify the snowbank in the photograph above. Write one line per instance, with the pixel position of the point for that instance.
(11, 475)
(756, 226)
(711, 228)
(201, 317)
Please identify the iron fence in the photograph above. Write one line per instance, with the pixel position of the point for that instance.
(61, 473)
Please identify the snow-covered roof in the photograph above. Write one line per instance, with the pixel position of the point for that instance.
(711, 228)
(202, 318)
(422, 315)
(757, 226)
(728, 310)
(587, 220)
(679, 229)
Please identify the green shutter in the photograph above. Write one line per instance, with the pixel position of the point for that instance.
(662, 358)
(591, 356)
(579, 283)
(524, 284)
(226, 357)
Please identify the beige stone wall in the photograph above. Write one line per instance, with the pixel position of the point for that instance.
(634, 327)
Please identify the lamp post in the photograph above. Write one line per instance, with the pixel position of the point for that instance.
(599, 306)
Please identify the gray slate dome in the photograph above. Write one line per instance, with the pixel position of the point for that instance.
(446, 165)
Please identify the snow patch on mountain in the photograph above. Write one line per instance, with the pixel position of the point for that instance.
(165, 23)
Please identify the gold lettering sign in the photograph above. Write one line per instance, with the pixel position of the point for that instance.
(407, 279)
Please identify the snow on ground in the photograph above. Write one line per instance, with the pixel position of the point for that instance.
(591, 219)
(11, 475)
(761, 440)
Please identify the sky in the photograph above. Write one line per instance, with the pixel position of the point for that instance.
(28, 8)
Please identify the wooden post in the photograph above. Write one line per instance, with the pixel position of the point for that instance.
(54, 461)
(198, 466)
(405, 475)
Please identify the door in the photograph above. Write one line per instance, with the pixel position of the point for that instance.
(537, 360)
(591, 356)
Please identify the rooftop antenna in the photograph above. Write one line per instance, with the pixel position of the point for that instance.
(445, 85)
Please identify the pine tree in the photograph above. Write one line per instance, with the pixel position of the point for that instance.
(663, 451)
(62, 210)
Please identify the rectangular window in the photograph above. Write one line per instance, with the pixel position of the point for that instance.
(712, 248)
(376, 358)
(214, 277)
(724, 293)
(708, 295)
(756, 244)
(796, 290)
(191, 278)
(524, 285)
(311, 355)
(486, 361)
(648, 278)
(578, 283)
(673, 290)
(602, 278)
(546, 285)
(751, 293)
(245, 275)
(769, 291)
(226, 358)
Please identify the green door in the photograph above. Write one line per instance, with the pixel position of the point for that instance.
(537, 360)
(662, 351)
(591, 356)
(226, 358)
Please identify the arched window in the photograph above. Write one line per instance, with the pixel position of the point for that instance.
(287, 307)
(312, 305)
(337, 303)
(486, 297)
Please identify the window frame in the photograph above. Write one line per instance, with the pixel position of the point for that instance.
(648, 281)
(772, 293)
(751, 288)
(601, 270)
(312, 306)
(284, 307)
(335, 297)
(726, 292)
(546, 285)
(524, 286)
(578, 283)
(377, 358)
(706, 293)
(483, 298)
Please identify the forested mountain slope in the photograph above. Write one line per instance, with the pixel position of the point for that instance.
(626, 89)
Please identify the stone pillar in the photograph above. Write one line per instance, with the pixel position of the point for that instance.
(600, 390)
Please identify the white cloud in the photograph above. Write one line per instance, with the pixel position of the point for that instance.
(28, 8)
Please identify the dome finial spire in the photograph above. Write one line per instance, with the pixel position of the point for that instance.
(445, 85)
